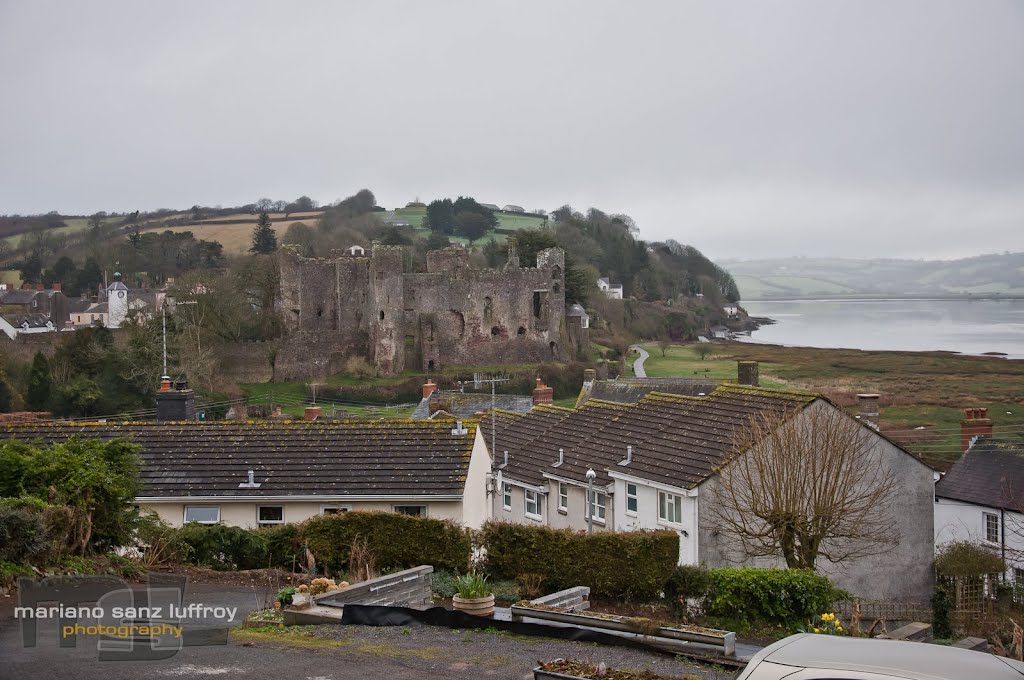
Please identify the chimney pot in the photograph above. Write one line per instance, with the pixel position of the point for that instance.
(312, 413)
(975, 424)
(542, 394)
(747, 373)
(869, 411)
(429, 388)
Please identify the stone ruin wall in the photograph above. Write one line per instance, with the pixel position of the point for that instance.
(333, 309)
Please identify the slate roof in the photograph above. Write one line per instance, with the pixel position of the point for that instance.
(576, 310)
(78, 305)
(467, 404)
(632, 390)
(18, 296)
(677, 440)
(399, 458)
(990, 473)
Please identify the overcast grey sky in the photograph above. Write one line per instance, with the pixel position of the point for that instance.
(869, 128)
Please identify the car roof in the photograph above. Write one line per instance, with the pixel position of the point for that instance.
(915, 660)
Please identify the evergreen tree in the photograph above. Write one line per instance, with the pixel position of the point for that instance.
(264, 240)
(38, 397)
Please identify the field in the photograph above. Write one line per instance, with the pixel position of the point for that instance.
(923, 393)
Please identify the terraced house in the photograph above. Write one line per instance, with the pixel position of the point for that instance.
(656, 464)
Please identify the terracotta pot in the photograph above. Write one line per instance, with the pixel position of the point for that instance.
(477, 606)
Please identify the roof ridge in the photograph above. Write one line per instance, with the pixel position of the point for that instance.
(730, 388)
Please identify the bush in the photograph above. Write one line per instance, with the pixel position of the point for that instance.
(963, 558)
(223, 547)
(396, 541)
(632, 565)
(358, 367)
(687, 582)
(284, 546)
(22, 534)
(784, 596)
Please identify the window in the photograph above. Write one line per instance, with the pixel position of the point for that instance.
(1018, 576)
(670, 507)
(532, 504)
(598, 506)
(202, 514)
(631, 499)
(270, 514)
(991, 527)
(506, 496)
(412, 510)
(332, 509)
(563, 496)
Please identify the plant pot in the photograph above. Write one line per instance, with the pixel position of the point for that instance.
(477, 606)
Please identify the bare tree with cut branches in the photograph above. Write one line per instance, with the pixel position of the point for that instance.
(804, 485)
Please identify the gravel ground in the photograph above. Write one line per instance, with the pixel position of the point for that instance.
(446, 653)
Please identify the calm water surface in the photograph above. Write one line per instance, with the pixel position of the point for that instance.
(967, 326)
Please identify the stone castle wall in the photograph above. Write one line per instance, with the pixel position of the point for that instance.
(333, 309)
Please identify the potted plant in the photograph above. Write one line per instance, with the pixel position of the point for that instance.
(473, 595)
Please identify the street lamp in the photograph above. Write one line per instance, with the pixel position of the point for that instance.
(591, 476)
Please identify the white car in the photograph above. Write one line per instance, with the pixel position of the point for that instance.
(827, 657)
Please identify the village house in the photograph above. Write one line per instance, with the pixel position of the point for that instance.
(654, 465)
(32, 309)
(981, 498)
(613, 291)
(253, 473)
(462, 404)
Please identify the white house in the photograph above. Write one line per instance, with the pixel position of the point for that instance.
(249, 474)
(611, 290)
(732, 311)
(981, 500)
(654, 465)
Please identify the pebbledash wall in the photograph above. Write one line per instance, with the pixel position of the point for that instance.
(359, 305)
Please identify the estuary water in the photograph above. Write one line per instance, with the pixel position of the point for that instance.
(966, 326)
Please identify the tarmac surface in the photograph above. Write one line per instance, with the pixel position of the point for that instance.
(330, 652)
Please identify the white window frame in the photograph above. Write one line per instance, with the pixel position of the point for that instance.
(187, 520)
(563, 497)
(632, 497)
(338, 509)
(531, 497)
(599, 506)
(985, 517)
(506, 496)
(265, 522)
(670, 501)
(395, 507)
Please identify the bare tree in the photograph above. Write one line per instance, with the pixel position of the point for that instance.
(703, 349)
(664, 343)
(803, 485)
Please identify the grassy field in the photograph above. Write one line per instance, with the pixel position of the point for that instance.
(923, 393)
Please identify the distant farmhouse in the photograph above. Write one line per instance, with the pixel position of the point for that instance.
(611, 290)
(514, 208)
(365, 304)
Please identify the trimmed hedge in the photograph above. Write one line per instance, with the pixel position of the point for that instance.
(631, 565)
(397, 541)
(785, 596)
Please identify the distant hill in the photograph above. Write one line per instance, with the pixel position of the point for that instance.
(802, 277)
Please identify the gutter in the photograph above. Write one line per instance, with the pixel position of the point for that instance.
(318, 498)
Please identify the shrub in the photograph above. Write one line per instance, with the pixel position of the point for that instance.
(963, 558)
(22, 534)
(632, 565)
(223, 547)
(284, 545)
(358, 367)
(284, 596)
(687, 582)
(784, 596)
(396, 541)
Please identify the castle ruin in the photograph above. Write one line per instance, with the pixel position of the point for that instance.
(360, 304)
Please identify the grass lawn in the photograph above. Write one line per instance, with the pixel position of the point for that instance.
(923, 393)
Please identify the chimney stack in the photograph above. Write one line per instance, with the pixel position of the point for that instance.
(429, 388)
(869, 411)
(976, 423)
(40, 286)
(55, 286)
(312, 413)
(175, 402)
(542, 394)
(589, 375)
(747, 373)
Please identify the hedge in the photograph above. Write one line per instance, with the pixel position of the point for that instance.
(785, 596)
(630, 565)
(397, 541)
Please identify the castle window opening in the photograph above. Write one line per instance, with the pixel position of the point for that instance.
(430, 365)
(488, 309)
(556, 273)
(556, 287)
(521, 331)
(382, 315)
(554, 348)
(495, 331)
(536, 303)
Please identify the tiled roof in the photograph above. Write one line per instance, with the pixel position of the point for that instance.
(677, 440)
(632, 390)
(991, 473)
(468, 404)
(35, 320)
(291, 458)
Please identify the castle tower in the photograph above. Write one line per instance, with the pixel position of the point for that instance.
(387, 339)
(117, 302)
